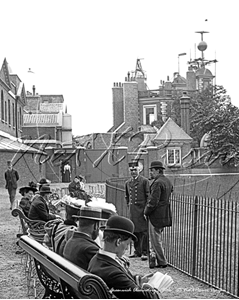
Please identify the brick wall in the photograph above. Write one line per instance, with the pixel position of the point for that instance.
(118, 106)
(27, 166)
(36, 132)
(131, 106)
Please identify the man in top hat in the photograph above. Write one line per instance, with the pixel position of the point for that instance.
(107, 263)
(136, 195)
(158, 211)
(81, 247)
(39, 207)
(27, 193)
(58, 231)
(11, 178)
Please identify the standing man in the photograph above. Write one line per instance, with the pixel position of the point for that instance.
(159, 213)
(136, 195)
(11, 177)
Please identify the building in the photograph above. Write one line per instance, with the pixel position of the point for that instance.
(44, 119)
(13, 100)
(24, 158)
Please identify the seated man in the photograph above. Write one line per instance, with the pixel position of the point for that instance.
(118, 234)
(39, 207)
(76, 189)
(81, 247)
(27, 192)
(59, 231)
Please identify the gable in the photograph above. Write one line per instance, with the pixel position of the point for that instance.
(4, 74)
(171, 131)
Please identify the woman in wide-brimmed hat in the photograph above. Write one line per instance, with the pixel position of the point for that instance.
(27, 192)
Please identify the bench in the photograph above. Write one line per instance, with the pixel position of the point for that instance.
(33, 228)
(60, 278)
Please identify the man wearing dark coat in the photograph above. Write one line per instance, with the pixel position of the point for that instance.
(81, 247)
(159, 213)
(136, 195)
(39, 207)
(11, 178)
(107, 263)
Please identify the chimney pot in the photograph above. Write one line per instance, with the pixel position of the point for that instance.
(34, 90)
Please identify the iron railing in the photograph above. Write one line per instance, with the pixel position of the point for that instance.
(203, 241)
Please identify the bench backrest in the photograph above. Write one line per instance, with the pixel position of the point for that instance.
(61, 278)
(34, 228)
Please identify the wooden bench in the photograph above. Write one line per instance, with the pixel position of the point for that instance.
(60, 278)
(33, 228)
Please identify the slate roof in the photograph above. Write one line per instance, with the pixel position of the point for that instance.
(171, 130)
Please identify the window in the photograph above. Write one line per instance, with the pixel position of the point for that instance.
(13, 115)
(9, 112)
(149, 114)
(2, 106)
(5, 111)
(173, 156)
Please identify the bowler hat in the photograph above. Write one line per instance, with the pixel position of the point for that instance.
(91, 213)
(156, 164)
(43, 181)
(133, 164)
(120, 225)
(45, 189)
(27, 189)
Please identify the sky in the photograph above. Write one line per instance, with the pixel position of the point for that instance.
(80, 48)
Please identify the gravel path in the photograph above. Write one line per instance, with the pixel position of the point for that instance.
(13, 281)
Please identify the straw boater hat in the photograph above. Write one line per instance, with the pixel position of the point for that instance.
(120, 225)
(91, 213)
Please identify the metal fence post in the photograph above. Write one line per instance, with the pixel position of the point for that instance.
(195, 235)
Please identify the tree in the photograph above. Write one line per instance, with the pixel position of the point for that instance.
(212, 112)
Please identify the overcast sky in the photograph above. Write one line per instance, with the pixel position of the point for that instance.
(79, 48)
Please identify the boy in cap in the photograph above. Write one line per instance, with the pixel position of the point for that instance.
(81, 247)
(136, 195)
(11, 178)
(107, 263)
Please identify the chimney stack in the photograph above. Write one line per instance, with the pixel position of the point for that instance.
(185, 119)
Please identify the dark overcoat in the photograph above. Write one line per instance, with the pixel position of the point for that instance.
(118, 278)
(11, 177)
(39, 210)
(136, 195)
(158, 206)
(113, 274)
(79, 249)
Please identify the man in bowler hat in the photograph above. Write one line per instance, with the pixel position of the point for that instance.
(159, 213)
(107, 263)
(136, 195)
